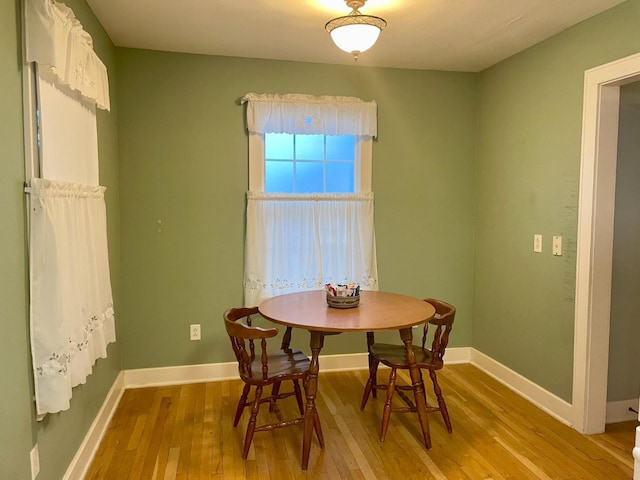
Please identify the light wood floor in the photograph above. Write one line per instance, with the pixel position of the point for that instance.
(185, 432)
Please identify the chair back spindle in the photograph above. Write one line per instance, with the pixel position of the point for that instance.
(243, 333)
(443, 321)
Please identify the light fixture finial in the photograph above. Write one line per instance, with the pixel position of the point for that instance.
(355, 33)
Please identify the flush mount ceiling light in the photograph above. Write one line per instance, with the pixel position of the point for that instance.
(355, 33)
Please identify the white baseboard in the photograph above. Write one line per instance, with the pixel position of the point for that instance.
(618, 411)
(543, 399)
(456, 355)
(213, 372)
(183, 374)
(84, 456)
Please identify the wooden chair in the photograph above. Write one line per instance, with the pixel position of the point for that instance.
(263, 369)
(395, 357)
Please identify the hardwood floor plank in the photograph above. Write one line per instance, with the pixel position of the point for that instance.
(162, 457)
(171, 469)
(186, 432)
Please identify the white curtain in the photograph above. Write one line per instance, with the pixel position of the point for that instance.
(297, 243)
(72, 318)
(56, 41)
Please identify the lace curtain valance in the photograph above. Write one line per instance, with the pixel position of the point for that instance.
(56, 41)
(308, 114)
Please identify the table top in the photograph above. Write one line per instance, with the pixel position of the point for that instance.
(377, 311)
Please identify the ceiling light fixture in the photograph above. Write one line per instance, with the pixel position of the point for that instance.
(355, 33)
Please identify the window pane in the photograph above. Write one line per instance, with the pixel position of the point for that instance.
(310, 147)
(309, 177)
(278, 146)
(306, 172)
(340, 177)
(341, 147)
(278, 177)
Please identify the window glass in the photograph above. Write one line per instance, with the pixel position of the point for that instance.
(278, 177)
(309, 163)
(278, 146)
(309, 147)
(309, 177)
(341, 147)
(339, 177)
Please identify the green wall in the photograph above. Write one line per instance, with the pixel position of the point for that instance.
(530, 121)
(59, 435)
(15, 402)
(184, 166)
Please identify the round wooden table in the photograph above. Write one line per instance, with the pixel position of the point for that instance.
(377, 311)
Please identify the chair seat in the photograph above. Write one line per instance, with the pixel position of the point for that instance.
(281, 363)
(395, 356)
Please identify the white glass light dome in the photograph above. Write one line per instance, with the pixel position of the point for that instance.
(355, 37)
(355, 33)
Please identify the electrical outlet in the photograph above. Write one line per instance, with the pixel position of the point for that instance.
(194, 331)
(557, 245)
(537, 243)
(35, 462)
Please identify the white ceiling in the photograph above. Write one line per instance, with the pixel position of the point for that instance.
(459, 35)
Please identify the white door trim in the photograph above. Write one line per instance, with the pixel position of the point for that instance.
(595, 239)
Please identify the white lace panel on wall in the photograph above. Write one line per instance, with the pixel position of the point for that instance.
(71, 305)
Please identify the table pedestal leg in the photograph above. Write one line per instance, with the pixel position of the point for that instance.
(418, 385)
(310, 412)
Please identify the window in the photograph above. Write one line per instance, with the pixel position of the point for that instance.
(309, 163)
(309, 205)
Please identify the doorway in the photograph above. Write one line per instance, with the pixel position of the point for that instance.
(595, 239)
(623, 383)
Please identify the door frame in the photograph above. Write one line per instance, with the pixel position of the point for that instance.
(594, 254)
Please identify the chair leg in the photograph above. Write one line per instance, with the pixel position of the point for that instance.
(318, 428)
(386, 412)
(298, 392)
(241, 404)
(275, 389)
(441, 403)
(371, 383)
(251, 426)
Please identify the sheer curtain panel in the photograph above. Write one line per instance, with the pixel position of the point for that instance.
(297, 243)
(71, 304)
